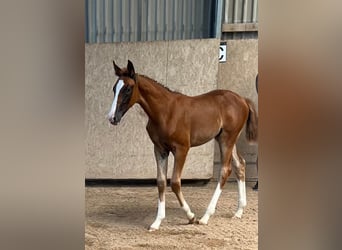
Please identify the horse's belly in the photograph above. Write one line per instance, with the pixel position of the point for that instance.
(197, 142)
(204, 129)
(203, 135)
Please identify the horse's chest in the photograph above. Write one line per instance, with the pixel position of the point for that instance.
(158, 134)
(164, 135)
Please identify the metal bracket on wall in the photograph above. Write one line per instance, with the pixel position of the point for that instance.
(239, 27)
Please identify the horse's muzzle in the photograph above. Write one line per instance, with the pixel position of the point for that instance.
(114, 120)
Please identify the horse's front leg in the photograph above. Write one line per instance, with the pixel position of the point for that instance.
(180, 156)
(161, 159)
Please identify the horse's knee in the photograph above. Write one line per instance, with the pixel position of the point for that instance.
(161, 184)
(175, 186)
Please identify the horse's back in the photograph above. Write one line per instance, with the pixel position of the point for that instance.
(219, 101)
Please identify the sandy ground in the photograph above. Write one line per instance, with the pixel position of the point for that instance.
(117, 217)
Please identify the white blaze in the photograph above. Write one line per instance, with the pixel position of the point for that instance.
(119, 86)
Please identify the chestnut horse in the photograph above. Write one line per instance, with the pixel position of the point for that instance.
(178, 122)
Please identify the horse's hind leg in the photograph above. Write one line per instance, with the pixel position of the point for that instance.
(226, 169)
(180, 156)
(161, 159)
(239, 166)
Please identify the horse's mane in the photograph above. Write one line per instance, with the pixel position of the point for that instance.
(159, 84)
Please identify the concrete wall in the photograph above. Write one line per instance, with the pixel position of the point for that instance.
(125, 151)
(238, 74)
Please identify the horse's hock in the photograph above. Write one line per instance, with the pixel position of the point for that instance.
(125, 151)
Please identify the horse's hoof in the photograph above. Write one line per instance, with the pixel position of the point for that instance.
(200, 222)
(236, 217)
(193, 220)
(238, 214)
(152, 229)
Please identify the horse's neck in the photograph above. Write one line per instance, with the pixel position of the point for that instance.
(154, 98)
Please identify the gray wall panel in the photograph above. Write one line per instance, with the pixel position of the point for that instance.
(148, 20)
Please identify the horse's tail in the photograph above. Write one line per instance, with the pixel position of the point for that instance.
(252, 122)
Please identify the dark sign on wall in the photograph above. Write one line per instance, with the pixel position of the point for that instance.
(223, 52)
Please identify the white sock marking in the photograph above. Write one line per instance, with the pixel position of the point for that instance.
(161, 209)
(160, 215)
(242, 202)
(212, 205)
(213, 202)
(119, 86)
(242, 193)
(187, 210)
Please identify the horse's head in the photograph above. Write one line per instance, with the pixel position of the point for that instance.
(125, 92)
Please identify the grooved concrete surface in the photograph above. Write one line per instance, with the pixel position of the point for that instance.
(118, 218)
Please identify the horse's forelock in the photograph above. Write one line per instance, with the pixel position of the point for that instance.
(127, 74)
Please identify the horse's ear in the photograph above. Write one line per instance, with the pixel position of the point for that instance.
(118, 71)
(130, 69)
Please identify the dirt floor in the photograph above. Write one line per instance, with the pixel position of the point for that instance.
(117, 217)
